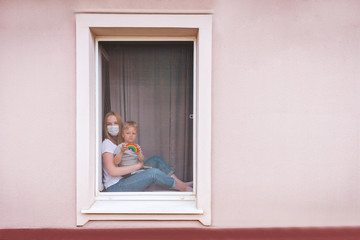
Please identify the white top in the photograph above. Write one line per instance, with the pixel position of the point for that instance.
(108, 146)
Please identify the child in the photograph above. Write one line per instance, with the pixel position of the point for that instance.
(124, 156)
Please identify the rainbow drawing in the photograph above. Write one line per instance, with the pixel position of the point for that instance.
(132, 147)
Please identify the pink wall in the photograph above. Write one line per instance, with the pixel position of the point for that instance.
(286, 97)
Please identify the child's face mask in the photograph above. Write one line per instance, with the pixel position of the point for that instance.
(113, 130)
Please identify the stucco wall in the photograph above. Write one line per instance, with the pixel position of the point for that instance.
(286, 102)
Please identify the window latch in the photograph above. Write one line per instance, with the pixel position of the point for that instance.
(191, 116)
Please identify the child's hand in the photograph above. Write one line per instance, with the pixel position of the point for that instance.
(123, 148)
(139, 154)
(139, 148)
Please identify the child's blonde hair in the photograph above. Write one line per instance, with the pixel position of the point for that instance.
(129, 124)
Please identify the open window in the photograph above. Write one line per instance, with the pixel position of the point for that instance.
(101, 38)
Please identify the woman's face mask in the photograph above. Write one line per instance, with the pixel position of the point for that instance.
(113, 130)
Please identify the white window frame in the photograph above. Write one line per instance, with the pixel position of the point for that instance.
(95, 205)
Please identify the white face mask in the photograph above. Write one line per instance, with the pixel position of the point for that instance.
(113, 130)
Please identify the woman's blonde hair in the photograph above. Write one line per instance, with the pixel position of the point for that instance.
(116, 140)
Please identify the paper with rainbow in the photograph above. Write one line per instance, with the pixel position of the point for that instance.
(132, 147)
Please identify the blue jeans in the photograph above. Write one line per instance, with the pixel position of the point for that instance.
(158, 174)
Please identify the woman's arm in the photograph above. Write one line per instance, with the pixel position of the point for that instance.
(115, 171)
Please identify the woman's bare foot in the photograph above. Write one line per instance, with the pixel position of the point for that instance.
(181, 186)
(190, 184)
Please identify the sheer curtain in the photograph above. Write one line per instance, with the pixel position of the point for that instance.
(152, 83)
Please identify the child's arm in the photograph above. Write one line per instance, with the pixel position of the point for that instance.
(118, 157)
(141, 157)
(139, 154)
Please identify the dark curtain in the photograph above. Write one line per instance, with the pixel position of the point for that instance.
(152, 83)
(105, 83)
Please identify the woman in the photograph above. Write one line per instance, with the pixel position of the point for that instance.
(158, 171)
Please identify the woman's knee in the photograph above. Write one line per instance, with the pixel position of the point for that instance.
(155, 159)
(153, 171)
(159, 160)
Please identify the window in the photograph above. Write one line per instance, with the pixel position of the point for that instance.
(92, 204)
(152, 84)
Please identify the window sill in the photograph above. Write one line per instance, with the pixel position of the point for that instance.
(143, 207)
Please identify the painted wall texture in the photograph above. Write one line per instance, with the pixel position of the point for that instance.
(286, 111)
